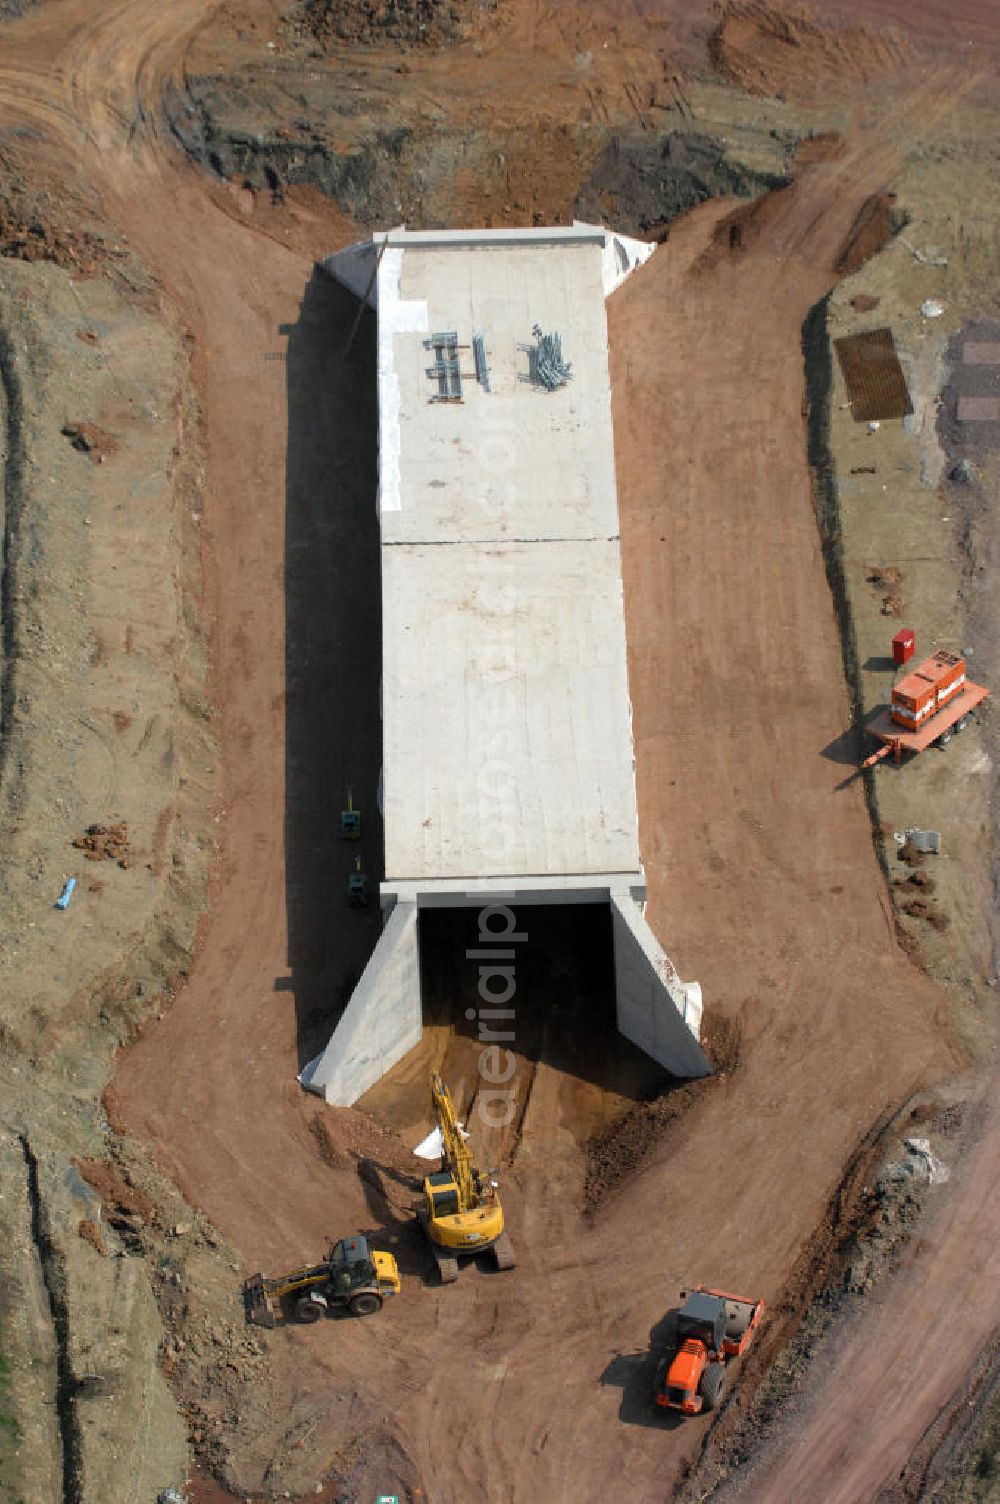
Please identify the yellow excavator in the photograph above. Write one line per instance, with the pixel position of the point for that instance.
(461, 1212)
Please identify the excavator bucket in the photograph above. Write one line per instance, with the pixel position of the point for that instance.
(256, 1302)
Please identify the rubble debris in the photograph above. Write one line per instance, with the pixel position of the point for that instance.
(918, 878)
(27, 235)
(95, 442)
(888, 579)
(928, 911)
(923, 257)
(884, 576)
(123, 1206)
(105, 843)
(402, 23)
(920, 1149)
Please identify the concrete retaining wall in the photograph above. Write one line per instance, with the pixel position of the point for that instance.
(380, 1023)
(656, 1010)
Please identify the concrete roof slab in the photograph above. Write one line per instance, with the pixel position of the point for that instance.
(507, 727)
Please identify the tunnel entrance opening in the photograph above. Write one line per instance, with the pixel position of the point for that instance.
(519, 1017)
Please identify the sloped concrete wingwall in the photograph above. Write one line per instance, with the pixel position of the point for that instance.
(380, 1023)
(655, 1011)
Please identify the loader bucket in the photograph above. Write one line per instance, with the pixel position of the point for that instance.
(256, 1303)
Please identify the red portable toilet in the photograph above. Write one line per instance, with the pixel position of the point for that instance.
(903, 645)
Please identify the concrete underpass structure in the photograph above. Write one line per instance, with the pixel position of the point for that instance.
(508, 772)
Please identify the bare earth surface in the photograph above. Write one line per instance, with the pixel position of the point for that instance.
(763, 879)
(930, 1324)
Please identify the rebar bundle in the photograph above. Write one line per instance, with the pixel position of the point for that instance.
(549, 367)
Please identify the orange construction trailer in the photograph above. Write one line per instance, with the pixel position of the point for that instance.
(933, 699)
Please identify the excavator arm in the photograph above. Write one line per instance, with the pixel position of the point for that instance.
(455, 1150)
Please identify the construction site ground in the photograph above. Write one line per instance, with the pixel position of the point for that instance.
(191, 647)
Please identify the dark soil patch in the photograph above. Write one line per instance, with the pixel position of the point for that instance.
(642, 184)
(625, 1146)
(621, 1150)
(398, 23)
(722, 1041)
(384, 172)
(877, 221)
(329, 1150)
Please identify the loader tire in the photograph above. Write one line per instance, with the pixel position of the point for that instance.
(306, 1310)
(365, 1304)
(712, 1381)
(503, 1253)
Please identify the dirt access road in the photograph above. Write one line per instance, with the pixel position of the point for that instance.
(727, 459)
(778, 907)
(907, 1358)
(93, 84)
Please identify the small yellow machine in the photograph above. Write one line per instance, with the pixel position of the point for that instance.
(461, 1213)
(353, 1276)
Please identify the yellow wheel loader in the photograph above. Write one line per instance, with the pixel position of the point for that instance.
(461, 1212)
(354, 1277)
